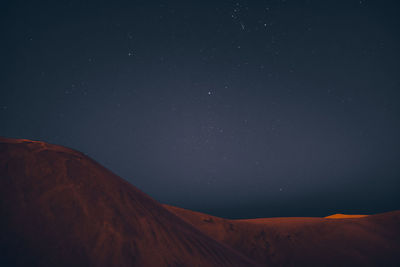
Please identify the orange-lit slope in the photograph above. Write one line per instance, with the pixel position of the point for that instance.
(345, 216)
(368, 241)
(60, 208)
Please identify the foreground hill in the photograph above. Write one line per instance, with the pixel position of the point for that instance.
(368, 241)
(60, 208)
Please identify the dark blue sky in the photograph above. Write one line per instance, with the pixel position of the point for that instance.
(235, 108)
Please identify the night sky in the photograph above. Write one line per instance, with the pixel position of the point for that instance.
(234, 108)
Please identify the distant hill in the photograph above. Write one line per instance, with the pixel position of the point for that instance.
(369, 241)
(345, 216)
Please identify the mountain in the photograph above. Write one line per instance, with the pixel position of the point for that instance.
(60, 208)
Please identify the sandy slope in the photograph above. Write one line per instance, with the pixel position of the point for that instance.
(345, 216)
(60, 208)
(367, 241)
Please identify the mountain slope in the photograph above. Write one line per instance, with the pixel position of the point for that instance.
(60, 208)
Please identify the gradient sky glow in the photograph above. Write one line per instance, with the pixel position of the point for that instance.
(234, 108)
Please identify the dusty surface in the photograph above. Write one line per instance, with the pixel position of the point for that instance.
(60, 208)
(367, 241)
(345, 216)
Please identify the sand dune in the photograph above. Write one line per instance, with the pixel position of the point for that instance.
(60, 208)
(369, 241)
(345, 216)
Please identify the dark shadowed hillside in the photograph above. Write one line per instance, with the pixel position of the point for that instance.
(60, 208)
